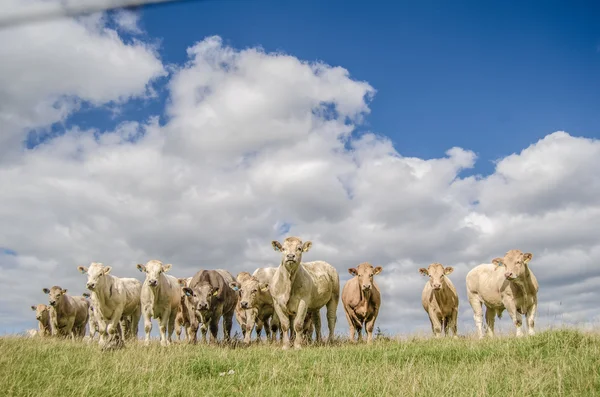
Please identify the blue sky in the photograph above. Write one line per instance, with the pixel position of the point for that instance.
(492, 78)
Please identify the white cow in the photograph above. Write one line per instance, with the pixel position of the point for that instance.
(299, 288)
(92, 321)
(114, 300)
(161, 296)
(506, 283)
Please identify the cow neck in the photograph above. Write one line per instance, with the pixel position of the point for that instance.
(156, 291)
(289, 276)
(525, 284)
(104, 291)
(365, 297)
(64, 305)
(441, 295)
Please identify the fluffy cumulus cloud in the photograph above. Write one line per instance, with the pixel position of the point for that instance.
(258, 146)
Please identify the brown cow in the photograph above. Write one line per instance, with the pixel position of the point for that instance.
(70, 315)
(439, 299)
(208, 298)
(361, 300)
(182, 320)
(507, 283)
(42, 315)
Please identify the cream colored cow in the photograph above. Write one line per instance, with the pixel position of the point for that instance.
(42, 315)
(70, 314)
(92, 321)
(440, 299)
(506, 283)
(299, 288)
(254, 306)
(160, 298)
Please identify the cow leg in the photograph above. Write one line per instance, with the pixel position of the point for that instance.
(147, 324)
(332, 316)
(214, 328)
(284, 324)
(299, 324)
(135, 322)
(531, 319)
(477, 312)
(370, 324)
(192, 334)
(351, 327)
(490, 320)
(454, 323)
(171, 325)
(203, 331)
(250, 320)
(511, 308)
(259, 327)
(436, 325)
(163, 322)
(228, 324)
(178, 330)
(316, 318)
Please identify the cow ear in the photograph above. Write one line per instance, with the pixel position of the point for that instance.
(497, 261)
(45, 290)
(107, 269)
(448, 270)
(276, 245)
(64, 291)
(306, 246)
(353, 271)
(140, 267)
(82, 269)
(264, 287)
(167, 267)
(215, 291)
(182, 282)
(377, 270)
(188, 291)
(85, 295)
(527, 257)
(234, 286)
(424, 271)
(33, 308)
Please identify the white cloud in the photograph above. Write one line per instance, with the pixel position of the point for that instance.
(259, 140)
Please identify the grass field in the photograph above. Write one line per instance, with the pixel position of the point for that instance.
(553, 363)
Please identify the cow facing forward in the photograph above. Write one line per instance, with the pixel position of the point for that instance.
(160, 298)
(70, 314)
(439, 299)
(114, 299)
(92, 322)
(42, 315)
(298, 288)
(506, 283)
(361, 300)
(254, 307)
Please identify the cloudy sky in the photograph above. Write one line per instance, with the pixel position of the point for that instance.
(197, 133)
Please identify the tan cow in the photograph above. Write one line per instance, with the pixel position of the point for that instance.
(254, 307)
(42, 315)
(182, 320)
(114, 300)
(361, 300)
(507, 283)
(161, 296)
(439, 299)
(299, 288)
(93, 326)
(70, 314)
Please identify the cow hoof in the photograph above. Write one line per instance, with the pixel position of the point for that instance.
(297, 347)
(285, 347)
(164, 343)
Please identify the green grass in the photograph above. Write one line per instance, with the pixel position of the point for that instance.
(553, 363)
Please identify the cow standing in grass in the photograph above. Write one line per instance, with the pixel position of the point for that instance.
(70, 314)
(160, 298)
(182, 319)
(507, 283)
(254, 307)
(114, 299)
(300, 288)
(361, 300)
(439, 299)
(42, 315)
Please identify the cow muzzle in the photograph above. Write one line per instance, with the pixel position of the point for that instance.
(91, 286)
(244, 305)
(203, 306)
(153, 283)
(509, 276)
(366, 287)
(52, 303)
(437, 286)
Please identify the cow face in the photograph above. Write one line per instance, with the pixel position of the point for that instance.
(249, 290)
(291, 250)
(365, 273)
(95, 274)
(55, 294)
(436, 273)
(153, 270)
(200, 297)
(41, 312)
(515, 263)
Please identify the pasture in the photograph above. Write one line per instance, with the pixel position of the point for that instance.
(552, 363)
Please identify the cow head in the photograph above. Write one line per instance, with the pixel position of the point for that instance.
(248, 289)
(515, 263)
(291, 250)
(41, 312)
(436, 273)
(153, 270)
(95, 273)
(365, 273)
(201, 296)
(55, 294)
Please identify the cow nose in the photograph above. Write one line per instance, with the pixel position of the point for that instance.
(437, 286)
(367, 287)
(291, 257)
(244, 305)
(52, 303)
(153, 283)
(90, 286)
(508, 275)
(203, 306)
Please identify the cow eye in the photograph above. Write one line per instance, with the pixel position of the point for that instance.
(299, 249)
(254, 291)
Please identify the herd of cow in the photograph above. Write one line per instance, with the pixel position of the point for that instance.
(284, 300)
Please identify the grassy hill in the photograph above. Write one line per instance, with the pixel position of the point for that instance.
(553, 363)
